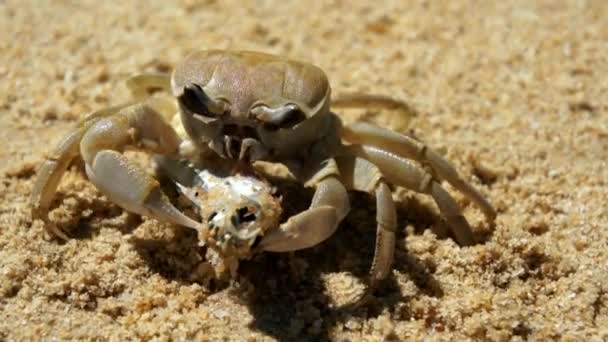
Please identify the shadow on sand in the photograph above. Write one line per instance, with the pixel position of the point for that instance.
(287, 296)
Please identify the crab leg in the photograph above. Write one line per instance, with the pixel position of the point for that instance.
(328, 207)
(141, 85)
(55, 165)
(100, 140)
(406, 173)
(371, 100)
(124, 183)
(361, 175)
(407, 147)
(49, 176)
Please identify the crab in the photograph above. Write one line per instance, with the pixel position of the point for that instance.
(246, 107)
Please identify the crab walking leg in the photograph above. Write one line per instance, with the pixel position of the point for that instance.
(328, 207)
(406, 173)
(49, 176)
(55, 165)
(124, 183)
(141, 85)
(407, 147)
(361, 175)
(370, 100)
(386, 217)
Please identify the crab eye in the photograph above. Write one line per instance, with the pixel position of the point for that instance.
(292, 117)
(196, 101)
(283, 117)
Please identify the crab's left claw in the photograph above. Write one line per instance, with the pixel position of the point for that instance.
(329, 206)
(302, 231)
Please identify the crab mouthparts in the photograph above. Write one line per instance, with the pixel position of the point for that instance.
(240, 131)
(233, 146)
(235, 137)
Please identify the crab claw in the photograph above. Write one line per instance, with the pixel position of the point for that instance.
(303, 230)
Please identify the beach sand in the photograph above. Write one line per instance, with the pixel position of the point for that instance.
(512, 92)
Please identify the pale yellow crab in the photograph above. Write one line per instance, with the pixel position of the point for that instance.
(245, 107)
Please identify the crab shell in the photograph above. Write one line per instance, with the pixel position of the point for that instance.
(236, 209)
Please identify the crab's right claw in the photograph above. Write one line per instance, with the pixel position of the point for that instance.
(100, 139)
(301, 231)
(133, 189)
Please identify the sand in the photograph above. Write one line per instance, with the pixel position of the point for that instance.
(512, 92)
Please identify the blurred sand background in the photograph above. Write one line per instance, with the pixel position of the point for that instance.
(513, 92)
